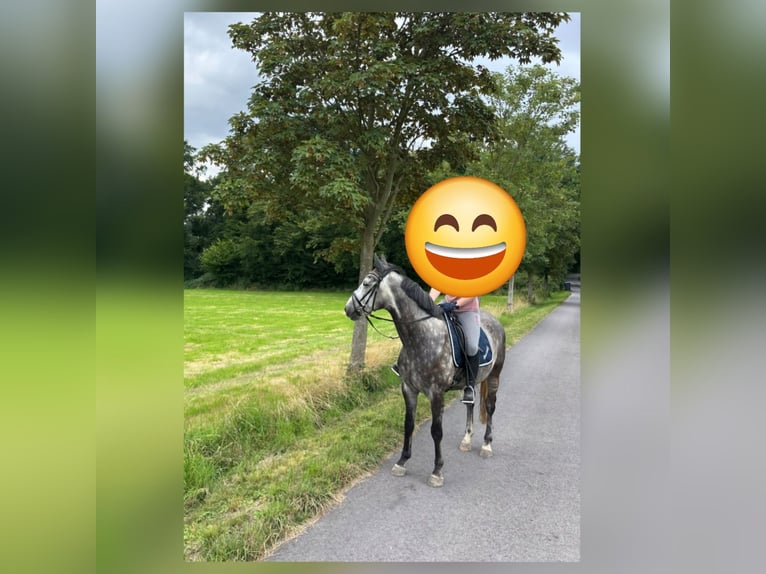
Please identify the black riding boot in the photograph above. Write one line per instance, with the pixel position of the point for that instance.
(472, 364)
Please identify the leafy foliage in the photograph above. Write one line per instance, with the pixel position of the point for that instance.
(222, 260)
(354, 109)
(536, 109)
(203, 218)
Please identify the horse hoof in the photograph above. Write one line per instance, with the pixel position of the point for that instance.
(398, 470)
(465, 444)
(486, 451)
(436, 481)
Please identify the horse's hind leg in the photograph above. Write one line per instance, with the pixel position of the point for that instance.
(465, 444)
(488, 399)
(410, 402)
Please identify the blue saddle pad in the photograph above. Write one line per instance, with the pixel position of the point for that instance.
(485, 349)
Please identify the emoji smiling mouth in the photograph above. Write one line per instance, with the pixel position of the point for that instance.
(465, 262)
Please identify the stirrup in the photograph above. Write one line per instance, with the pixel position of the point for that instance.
(468, 395)
(395, 369)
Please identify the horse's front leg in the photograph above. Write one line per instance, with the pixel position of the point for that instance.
(465, 444)
(437, 409)
(410, 403)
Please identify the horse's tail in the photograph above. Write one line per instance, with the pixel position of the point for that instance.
(483, 402)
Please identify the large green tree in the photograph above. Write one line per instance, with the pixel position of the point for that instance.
(352, 111)
(530, 159)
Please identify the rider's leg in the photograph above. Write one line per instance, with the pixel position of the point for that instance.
(470, 322)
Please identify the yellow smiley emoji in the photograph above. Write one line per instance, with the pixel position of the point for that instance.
(465, 236)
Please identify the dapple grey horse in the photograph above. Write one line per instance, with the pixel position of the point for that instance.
(425, 363)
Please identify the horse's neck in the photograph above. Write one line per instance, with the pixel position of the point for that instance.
(410, 319)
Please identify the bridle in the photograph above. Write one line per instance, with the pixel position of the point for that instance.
(360, 304)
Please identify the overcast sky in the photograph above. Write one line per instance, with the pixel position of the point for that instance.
(218, 79)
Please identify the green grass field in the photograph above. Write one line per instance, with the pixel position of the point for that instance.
(274, 427)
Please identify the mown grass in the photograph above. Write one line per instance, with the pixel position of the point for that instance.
(275, 429)
(233, 333)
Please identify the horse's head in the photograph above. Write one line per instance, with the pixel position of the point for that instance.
(369, 296)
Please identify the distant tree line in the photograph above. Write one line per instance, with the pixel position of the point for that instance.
(255, 248)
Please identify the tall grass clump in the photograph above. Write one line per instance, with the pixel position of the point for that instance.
(267, 424)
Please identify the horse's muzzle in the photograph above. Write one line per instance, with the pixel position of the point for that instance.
(353, 311)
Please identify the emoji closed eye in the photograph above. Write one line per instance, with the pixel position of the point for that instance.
(446, 219)
(484, 219)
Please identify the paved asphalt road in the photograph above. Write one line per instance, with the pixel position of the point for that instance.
(523, 504)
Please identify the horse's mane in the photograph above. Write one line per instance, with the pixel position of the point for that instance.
(410, 288)
(417, 294)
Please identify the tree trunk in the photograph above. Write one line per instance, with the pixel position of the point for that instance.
(510, 293)
(358, 345)
(531, 288)
(359, 338)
